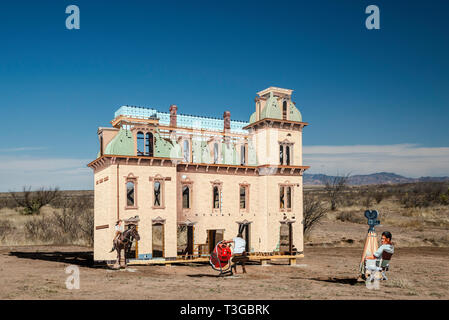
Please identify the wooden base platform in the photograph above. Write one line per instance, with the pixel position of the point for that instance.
(263, 259)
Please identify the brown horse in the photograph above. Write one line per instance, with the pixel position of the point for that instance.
(124, 242)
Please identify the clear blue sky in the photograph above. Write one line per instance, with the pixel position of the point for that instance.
(354, 86)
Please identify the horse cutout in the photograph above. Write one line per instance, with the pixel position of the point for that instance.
(124, 243)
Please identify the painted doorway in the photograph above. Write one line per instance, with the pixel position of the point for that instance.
(133, 252)
(213, 237)
(244, 229)
(185, 240)
(158, 240)
(285, 238)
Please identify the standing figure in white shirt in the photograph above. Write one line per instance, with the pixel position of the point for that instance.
(239, 253)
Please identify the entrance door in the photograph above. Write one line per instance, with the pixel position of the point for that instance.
(190, 240)
(185, 240)
(133, 251)
(158, 240)
(213, 237)
(285, 238)
(244, 229)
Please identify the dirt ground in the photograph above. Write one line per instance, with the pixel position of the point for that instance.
(38, 272)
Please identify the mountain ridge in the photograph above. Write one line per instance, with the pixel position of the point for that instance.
(373, 178)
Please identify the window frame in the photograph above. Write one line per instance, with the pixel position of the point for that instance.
(218, 185)
(130, 178)
(245, 186)
(286, 205)
(161, 181)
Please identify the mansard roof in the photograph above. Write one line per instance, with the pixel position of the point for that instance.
(183, 120)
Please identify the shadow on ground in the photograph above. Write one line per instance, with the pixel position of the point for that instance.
(80, 258)
(349, 281)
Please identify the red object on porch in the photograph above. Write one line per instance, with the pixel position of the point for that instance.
(221, 255)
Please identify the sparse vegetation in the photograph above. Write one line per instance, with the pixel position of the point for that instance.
(350, 216)
(334, 187)
(6, 228)
(74, 223)
(313, 212)
(31, 202)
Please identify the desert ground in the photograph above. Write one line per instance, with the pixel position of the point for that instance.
(34, 267)
(38, 272)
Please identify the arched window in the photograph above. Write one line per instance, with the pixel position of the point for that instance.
(242, 198)
(287, 155)
(284, 110)
(185, 197)
(186, 151)
(157, 194)
(281, 154)
(216, 198)
(149, 144)
(242, 155)
(140, 144)
(130, 194)
(215, 152)
(281, 198)
(289, 197)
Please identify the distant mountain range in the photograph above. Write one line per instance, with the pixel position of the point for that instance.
(374, 178)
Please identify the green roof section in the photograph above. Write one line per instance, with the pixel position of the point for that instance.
(122, 144)
(271, 109)
(252, 155)
(229, 154)
(252, 118)
(295, 115)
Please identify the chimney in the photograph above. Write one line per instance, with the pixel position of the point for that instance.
(173, 116)
(226, 121)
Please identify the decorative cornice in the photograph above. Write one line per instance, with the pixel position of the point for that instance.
(213, 168)
(273, 123)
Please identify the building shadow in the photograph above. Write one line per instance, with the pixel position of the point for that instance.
(203, 275)
(348, 281)
(79, 258)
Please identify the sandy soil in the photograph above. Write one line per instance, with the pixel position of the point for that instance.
(38, 272)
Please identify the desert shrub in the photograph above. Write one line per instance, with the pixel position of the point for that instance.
(349, 216)
(6, 201)
(6, 228)
(313, 212)
(334, 186)
(33, 201)
(424, 194)
(72, 224)
(367, 200)
(444, 198)
(379, 196)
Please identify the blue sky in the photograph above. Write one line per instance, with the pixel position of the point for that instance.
(382, 91)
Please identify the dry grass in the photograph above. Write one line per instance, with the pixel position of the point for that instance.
(69, 221)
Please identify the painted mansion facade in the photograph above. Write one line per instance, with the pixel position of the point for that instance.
(194, 181)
